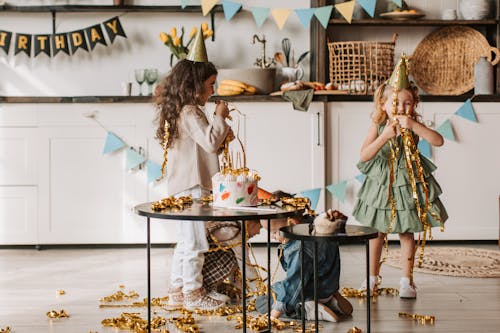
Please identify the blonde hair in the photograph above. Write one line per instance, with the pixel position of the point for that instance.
(379, 116)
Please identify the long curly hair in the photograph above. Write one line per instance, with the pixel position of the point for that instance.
(379, 116)
(184, 85)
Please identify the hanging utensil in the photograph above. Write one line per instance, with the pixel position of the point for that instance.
(286, 45)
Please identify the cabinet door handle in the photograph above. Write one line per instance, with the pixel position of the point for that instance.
(140, 153)
(319, 129)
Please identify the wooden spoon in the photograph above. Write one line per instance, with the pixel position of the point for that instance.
(280, 58)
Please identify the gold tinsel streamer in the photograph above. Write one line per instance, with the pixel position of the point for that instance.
(55, 314)
(172, 202)
(5, 330)
(352, 292)
(119, 296)
(60, 292)
(166, 136)
(355, 330)
(422, 319)
(134, 322)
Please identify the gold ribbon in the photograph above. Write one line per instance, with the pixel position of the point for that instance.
(166, 136)
(172, 202)
(422, 319)
(55, 314)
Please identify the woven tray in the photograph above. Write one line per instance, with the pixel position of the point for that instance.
(443, 63)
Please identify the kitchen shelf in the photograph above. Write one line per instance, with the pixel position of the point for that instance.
(419, 22)
(235, 99)
(85, 8)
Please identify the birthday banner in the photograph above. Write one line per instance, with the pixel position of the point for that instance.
(66, 42)
(281, 15)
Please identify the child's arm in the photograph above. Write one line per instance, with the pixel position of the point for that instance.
(208, 136)
(431, 136)
(374, 142)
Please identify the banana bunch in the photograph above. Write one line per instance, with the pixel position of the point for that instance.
(234, 87)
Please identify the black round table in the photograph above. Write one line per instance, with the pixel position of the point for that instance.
(353, 233)
(199, 211)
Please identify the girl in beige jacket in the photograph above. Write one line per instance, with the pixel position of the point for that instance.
(193, 147)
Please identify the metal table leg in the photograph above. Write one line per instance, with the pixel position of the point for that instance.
(269, 275)
(315, 272)
(244, 274)
(302, 298)
(367, 242)
(149, 273)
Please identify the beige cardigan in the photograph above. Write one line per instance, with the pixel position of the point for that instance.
(193, 160)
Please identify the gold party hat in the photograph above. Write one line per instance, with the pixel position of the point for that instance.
(198, 52)
(399, 77)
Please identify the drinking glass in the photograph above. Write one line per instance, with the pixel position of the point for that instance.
(151, 78)
(140, 78)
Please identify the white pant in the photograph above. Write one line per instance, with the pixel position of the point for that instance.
(192, 243)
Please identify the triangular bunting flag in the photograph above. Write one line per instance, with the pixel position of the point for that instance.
(323, 14)
(368, 6)
(280, 16)
(154, 171)
(338, 190)
(425, 148)
(446, 130)
(230, 8)
(346, 9)
(467, 111)
(207, 5)
(305, 15)
(361, 177)
(313, 195)
(134, 159)
(184, 3)
(259, 15)
(112, 143)
(398, 2)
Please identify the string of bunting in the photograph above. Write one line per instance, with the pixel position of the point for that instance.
(281, 15)
(66, 42)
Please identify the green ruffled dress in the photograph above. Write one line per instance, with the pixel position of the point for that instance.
(372, 206)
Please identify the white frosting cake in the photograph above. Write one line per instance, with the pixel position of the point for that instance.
(233, 191)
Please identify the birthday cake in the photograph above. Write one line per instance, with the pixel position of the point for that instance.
(235, 189)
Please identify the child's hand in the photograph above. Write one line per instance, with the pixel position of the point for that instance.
(275, 314)
(405, 122)
(222, 110)
(389, 131)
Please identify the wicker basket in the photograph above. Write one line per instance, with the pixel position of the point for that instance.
(360, 66)
(443, 62)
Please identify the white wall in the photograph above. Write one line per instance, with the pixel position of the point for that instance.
(101, 71)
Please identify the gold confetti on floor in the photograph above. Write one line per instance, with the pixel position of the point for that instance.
(54, 314)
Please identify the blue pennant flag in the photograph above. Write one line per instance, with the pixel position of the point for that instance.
(361, 177)
(313, 195)
(467, 111)
(259, 15)
(230, 8)
(305, 15)
(134, 159)
(112, 143)
(425, 148)
(368, 6)
(184, 3)
(323, 15)
(446, 130)
(398, 2)
(154, 171)
(338, 190)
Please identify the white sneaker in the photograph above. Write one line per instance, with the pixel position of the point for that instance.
(324, 312)
(374, 283)
(175, 298)
(407, 290)
(218, 296)
(198, 299)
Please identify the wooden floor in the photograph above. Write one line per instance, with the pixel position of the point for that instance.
(29, 281)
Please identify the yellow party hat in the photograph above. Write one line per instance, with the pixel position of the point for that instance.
(399, 77)
(198, 53)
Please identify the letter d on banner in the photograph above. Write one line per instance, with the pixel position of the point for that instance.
(77, 41)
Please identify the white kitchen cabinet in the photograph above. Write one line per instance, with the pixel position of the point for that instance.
(467, 168)
(18, 219)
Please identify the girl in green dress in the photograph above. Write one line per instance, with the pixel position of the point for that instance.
(393, 114)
